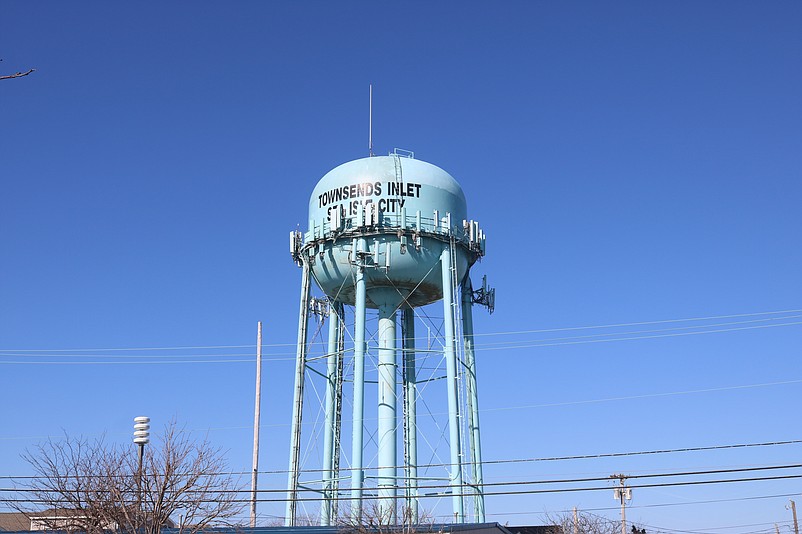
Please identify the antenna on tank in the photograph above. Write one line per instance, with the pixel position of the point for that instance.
(370, 122)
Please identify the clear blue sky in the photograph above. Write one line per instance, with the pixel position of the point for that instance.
(630, 161)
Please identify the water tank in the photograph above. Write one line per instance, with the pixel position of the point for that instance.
(403, 211)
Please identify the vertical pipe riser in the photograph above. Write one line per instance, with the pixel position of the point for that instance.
(388, 457)
(359, 386)
(410, 412)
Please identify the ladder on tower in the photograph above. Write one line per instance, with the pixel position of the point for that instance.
(456, 318)
(399, 181)
(338, 410)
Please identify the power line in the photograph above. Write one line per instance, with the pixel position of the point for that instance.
(656, 505)
(532, 460)
(66, 352)
(666, 529)
(530, 406)
(522, 345)
(201, 355)
(641, 323)
(518, 332)
(468, 492)
(119, 363)
(644, 396)
(545, 343)
(484, 485)
(672, 329)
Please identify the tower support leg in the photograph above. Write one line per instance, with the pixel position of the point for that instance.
(357, 475)
(473, 400)
(298, 399)
(449, 309)
(329, 431)
(410, 416)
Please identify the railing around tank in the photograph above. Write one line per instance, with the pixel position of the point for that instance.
(369, 220)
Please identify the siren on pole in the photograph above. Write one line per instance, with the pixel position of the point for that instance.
(141, 430)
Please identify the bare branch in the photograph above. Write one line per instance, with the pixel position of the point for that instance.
(378, 520)
(17, 75)
(583, 523)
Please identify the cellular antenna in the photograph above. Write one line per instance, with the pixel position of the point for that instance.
(370, 122)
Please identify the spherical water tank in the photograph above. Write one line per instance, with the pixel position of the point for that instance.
(392, 217)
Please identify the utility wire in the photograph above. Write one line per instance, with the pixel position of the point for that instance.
(523, 345)
(655, 505)
(643, 396)
(345, 496)
(641, 323)
(525, 460)
(520, 407)
(486, 484)
(485, 346)
(517, 332)
(637, 332)
(666, 529)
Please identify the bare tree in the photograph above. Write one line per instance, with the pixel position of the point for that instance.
(583, 523)
(378, 520)
(94, 487)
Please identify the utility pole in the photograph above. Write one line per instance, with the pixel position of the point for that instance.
(256, 415)
(576, 521)
(623, 494)
(793, 511)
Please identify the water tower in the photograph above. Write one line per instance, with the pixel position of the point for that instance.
(387, 234)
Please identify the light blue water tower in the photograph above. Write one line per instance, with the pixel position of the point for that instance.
(390, 234)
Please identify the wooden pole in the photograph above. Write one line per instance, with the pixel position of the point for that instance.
(256, 416)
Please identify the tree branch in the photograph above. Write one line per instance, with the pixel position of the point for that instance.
(17, 75)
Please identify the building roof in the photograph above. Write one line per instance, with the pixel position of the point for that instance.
(537, 529)
(19, 522)
(14, 521)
